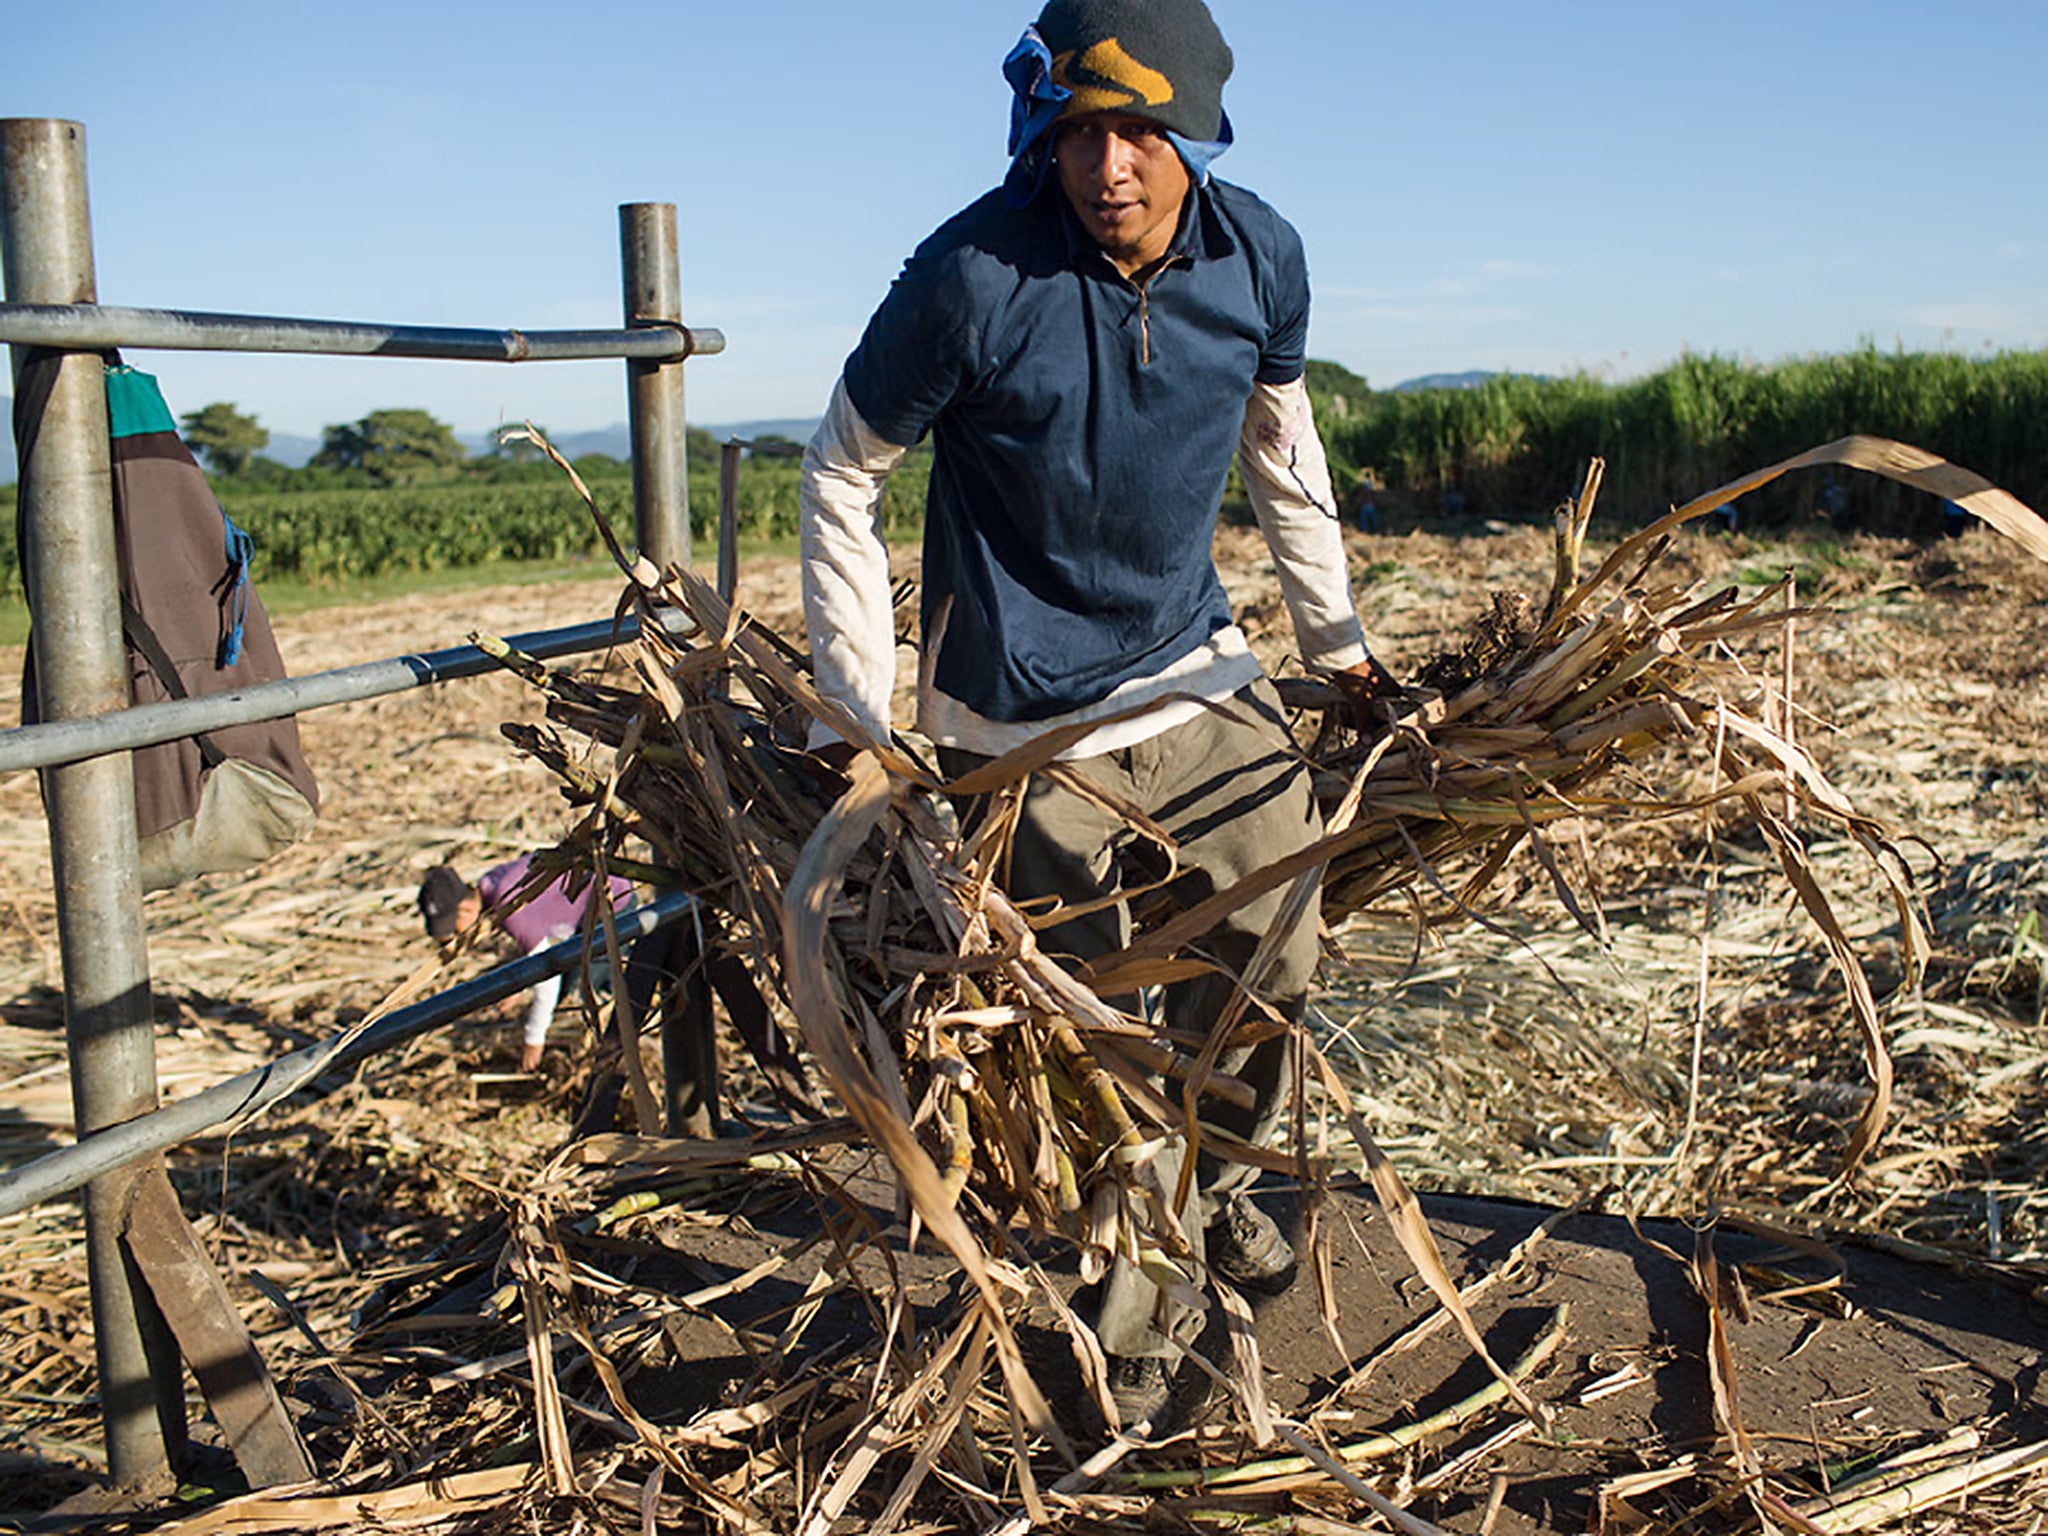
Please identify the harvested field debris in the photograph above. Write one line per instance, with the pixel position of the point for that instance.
(636, 1332)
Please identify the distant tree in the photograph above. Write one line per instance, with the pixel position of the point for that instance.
(1337, 389)
(223, 436)
(265, 471)
(700, 448)
(391, 446)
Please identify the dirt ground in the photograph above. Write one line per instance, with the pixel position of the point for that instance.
(1693, 1060)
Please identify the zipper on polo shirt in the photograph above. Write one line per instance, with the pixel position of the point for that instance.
(1145, 307)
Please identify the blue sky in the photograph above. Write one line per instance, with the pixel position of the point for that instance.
(1481, 184)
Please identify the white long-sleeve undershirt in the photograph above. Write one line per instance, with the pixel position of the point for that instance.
(850, 622)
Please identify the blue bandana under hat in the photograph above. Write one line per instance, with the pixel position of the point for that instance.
(1036, 104)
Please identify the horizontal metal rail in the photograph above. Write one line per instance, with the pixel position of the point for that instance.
(144, 725)
(241, 1098)
(92, 327)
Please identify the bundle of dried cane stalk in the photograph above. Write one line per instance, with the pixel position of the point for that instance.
(1003, 1088)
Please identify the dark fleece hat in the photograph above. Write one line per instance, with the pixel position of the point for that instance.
(441, 898)
(1159, 59)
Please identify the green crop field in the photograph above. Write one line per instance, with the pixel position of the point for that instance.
(1510, 448)
(342, 538)
(1515, 445)
(342, 535)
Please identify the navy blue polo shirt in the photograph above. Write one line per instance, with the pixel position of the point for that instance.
(1082, 429)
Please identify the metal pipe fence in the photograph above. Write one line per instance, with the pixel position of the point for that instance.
(144, 725)
(237, 1100)
(97, 327)
(69, 561)
(46, 261)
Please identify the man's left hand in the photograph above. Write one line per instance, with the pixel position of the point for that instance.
(529, 1058)
(1366, 681)
(1365, 685)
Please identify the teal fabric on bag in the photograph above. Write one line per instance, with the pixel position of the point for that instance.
(135, 406)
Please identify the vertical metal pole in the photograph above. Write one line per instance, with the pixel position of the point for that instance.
(661, 512)
(73, 584)
(729, 517)
(654, 391)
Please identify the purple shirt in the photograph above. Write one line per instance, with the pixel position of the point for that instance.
(552, 914)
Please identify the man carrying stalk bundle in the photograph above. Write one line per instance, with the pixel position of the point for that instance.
(1088, 345)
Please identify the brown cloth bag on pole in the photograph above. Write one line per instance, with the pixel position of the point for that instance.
(220, 800)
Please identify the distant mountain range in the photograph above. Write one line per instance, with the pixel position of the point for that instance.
(1471, 379)
(616, 440)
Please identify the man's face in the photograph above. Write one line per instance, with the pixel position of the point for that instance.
(1125, 180)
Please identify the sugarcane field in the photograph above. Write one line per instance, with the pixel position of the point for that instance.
(1665, 1147)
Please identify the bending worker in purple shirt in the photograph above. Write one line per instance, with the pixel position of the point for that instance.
(451, 906)
(1088, 346)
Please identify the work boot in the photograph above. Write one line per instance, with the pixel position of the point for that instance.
(1246, 1247)
(1142, 1389)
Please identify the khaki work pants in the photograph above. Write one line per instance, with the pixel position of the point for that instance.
(1231, 790)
